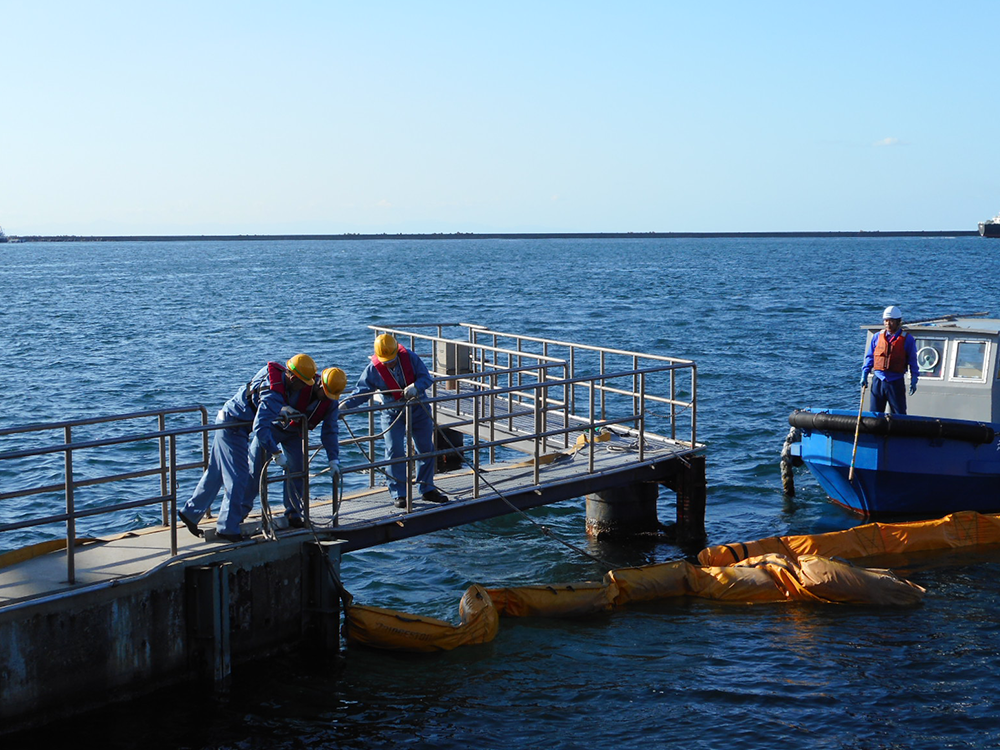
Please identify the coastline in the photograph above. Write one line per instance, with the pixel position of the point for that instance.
(489, 236)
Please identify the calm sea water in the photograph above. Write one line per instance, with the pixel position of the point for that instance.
(774, 324)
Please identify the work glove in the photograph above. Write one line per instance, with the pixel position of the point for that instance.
(410, 392)
(913, 388)
(864, 380)
(285, 416)
(335, 469)
(279, 458)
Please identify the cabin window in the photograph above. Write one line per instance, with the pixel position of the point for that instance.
(930, 357)
(970, 360)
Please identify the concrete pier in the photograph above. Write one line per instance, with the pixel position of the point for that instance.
(191, 619)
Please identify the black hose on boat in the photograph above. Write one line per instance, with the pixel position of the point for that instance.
(895, 426)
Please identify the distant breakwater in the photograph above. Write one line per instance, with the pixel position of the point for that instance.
(491, 236)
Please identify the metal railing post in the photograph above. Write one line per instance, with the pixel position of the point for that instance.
(165, 512)
(537, 417)
(305, 469)
(476, 408)
(642, 414)
(572, 374)
(70, 509)
(694, 403)
(590, 450)
(635, 382)
(493, 414)
(545, 404)
(371, 447)
(603, 394)
(205, 457)
(673, 405)
(408, 450)
(173, 494)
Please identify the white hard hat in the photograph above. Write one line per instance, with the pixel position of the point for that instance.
(892, 312)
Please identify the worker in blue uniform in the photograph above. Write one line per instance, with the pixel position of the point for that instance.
(239, 452)
(396, 375)
(891, 352)
(323, 409)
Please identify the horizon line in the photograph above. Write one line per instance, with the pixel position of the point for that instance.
(487, 235)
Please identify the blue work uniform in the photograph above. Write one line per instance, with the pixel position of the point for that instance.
(238, 453)
(370, 385)
(887, 386)
(321, 412)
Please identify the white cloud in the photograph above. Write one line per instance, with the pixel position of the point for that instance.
(887, 142)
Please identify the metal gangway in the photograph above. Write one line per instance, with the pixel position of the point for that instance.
(522, 421)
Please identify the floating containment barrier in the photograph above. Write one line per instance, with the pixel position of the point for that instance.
(966, 529)
(767, 578)
(398, 631)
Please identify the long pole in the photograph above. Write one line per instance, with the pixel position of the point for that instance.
(857, 431)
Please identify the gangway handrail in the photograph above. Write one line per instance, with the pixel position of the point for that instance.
(580, 422)
(475, 345)
(546, 393)
(475, 329)
(515, 388)
(39, 426)
(167, 470)
(119, 440)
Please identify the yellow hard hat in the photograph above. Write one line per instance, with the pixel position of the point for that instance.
(303, 367)
(386, 348)
(334, 381)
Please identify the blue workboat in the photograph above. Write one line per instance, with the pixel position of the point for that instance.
(943, 456)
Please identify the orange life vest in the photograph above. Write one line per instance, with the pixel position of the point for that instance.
(890, 356)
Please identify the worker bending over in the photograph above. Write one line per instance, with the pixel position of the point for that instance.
(323, 409)
(238, 452)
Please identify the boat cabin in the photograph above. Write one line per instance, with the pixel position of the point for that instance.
(959, 374)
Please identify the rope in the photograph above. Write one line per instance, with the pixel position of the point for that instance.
(267, 524)
(368, 458)
(544, 530)
(266, 518)
(788, 462)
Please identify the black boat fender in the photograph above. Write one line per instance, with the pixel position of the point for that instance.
(887, 425)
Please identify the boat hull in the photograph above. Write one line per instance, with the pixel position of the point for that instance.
(903, 465)
(989, 229)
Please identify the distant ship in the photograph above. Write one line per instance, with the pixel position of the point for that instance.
(990, 228)
(3, 237)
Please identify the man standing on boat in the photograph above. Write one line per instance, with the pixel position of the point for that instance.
(396, 374)
(890, 353)
(238, 452)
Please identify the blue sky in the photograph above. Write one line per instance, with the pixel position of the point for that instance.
(331, 117)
